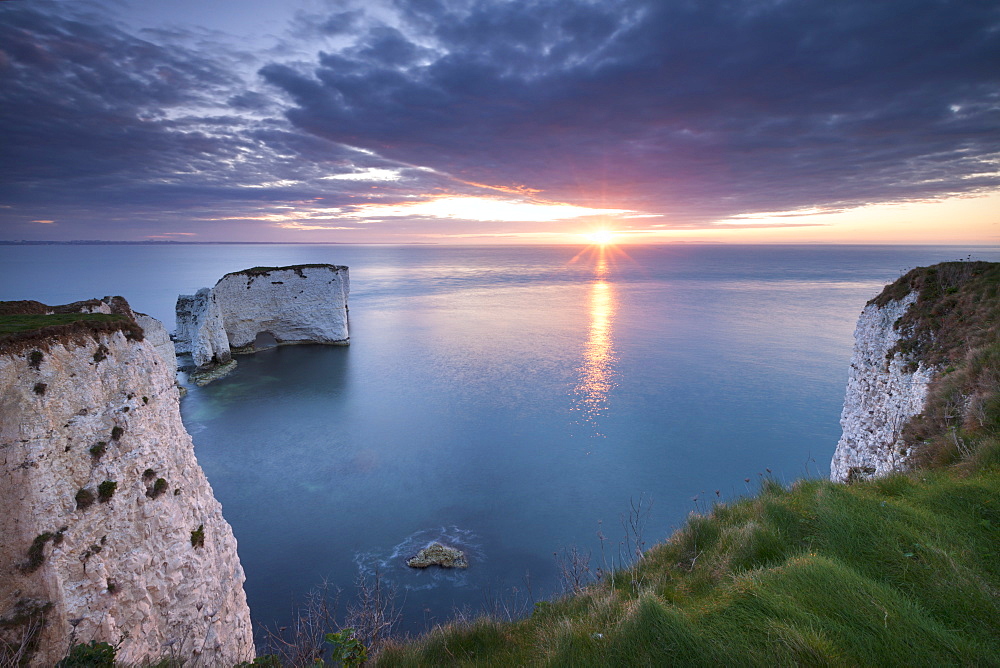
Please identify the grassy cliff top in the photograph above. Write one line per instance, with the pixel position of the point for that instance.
(957, 309)
(25, 324)
(297, 268)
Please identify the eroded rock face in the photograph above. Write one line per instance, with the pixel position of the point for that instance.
(200, 330)
(437, 554)
(883, 393)
(158, 335)
(99, 413)
(301, 304)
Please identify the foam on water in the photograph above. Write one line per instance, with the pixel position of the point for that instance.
(390, 564)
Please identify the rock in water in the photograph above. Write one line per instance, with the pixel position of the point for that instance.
(304, 303)
(437, 554)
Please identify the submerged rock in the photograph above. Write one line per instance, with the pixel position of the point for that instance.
(437, 554)
(202, 377)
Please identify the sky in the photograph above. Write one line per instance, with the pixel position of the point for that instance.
(501, 121)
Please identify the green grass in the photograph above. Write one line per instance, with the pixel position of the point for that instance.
(902, 569)
(13, 324)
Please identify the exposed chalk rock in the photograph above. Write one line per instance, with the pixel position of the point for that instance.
(300, 304)
(158, 335)
(101, 496)
(883, 393)
(437, 554)
(200, 329)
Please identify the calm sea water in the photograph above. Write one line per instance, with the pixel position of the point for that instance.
(511, 401)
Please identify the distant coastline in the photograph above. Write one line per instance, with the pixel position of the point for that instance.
(168, 242)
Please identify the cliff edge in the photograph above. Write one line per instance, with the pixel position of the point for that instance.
(917, 379)
(110, 530)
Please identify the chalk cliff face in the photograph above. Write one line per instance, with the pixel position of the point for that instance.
(884, 390)
(109, 526)
(200, 330)
(159, 337)
(302, 304)
(298, 304)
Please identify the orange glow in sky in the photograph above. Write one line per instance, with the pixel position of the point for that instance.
(972, 220)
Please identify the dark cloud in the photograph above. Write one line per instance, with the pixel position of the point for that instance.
(698, 108)
(99, 123)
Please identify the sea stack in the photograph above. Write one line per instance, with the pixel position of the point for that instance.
(110, 530)
(304, 303)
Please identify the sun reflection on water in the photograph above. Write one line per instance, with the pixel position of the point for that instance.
(596, 373)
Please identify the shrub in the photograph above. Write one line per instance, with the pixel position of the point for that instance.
(84, 499)
(106, 490)
(347, 648)
(40, 388)
(101, 353)
(35, 358)
(92, 655)
(158, 489)
(198, 536)
(116, 433)
(148, 474)
(99, 449)
(36, 553)
(145, 400)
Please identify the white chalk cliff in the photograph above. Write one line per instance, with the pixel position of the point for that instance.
(109, 526)
(298, 304)
(883, 392)
(159, 337)
(200, 331)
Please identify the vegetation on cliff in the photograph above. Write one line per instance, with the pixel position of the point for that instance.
(25, 324)
(297, 268)
(954, 328)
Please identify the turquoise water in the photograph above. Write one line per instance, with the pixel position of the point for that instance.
(511, 401)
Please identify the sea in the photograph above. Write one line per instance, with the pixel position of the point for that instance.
(521, 403)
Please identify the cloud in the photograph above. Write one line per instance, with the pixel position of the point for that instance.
(701, 109)
(692, 113)
(100, 123)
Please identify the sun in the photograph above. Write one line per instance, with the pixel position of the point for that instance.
(601, 237)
